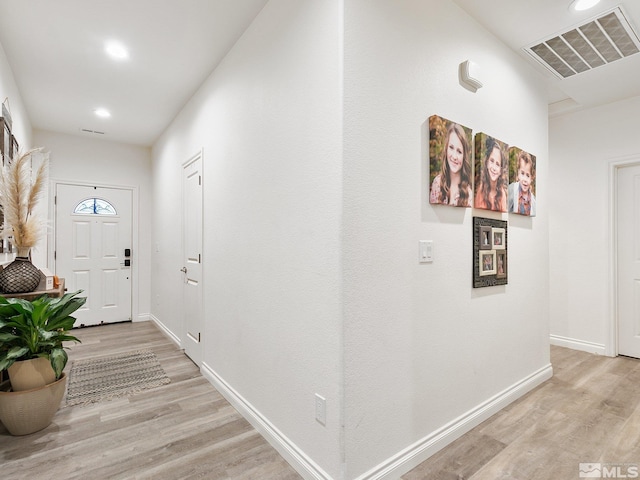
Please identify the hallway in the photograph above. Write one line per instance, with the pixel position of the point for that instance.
(183, 430)
(588, 412)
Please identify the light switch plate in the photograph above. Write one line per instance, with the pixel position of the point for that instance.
(425, 251)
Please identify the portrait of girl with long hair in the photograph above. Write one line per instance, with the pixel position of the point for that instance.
(491, 175)
(450, 163)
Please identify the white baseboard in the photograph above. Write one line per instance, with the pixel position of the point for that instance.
(304, 465)
(417, 453)
(396, 465)
(168, 333)
(143, 317)
(575, 344)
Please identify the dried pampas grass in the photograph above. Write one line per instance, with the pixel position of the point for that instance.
(18, 197)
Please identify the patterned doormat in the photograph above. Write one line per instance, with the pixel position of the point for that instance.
(105, 378)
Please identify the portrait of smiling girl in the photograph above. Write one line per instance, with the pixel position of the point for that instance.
(491, 174)
(452, 183)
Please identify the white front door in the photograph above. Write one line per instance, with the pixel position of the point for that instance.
(192, 257)
(628, 265)
(93, 232)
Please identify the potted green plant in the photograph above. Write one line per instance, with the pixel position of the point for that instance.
(36, 329)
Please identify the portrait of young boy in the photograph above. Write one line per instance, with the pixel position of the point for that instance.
(521, 192)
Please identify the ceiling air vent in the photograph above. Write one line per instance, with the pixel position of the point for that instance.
(86, 130)
(602, 40)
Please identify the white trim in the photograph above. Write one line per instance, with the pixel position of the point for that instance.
(167, 333)
(301, 462)
(612, 328)
(417, 453)
(576, 344)
(143, 317)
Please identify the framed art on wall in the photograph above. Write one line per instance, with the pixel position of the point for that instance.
(14, 147)
(6, 143)
(487, 262)
(522, 186)
(489, 252)
(450, 168)
(485, 238)
(497, 238)
(501, 264)
(491, 174)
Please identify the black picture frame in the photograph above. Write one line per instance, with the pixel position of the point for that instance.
(14, 147)
(489, 264)
(6, 142)
(501, 264)
(486, 238)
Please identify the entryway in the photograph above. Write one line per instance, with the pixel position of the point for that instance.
(93, 249)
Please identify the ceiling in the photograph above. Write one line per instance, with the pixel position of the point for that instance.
(56, 52)
(55, 49)
(522, 23)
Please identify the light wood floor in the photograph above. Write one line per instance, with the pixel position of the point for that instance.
(588, 412)
(183, 430)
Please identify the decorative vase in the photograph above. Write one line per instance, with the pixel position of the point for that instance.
(19, 276)
(30, 411)
(29, 374)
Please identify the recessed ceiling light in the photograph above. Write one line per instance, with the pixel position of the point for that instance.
(580, 5)
(102, 112)
(116, 50)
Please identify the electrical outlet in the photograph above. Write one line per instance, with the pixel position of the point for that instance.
(321, 409)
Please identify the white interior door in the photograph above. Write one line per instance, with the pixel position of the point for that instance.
(628, 253)
(192, 258)
(93, 229)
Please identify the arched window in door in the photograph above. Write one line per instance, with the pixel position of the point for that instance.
(95, 206)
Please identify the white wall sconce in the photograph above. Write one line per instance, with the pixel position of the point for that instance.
(469, 74)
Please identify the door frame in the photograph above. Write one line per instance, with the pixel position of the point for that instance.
(611, 349)
(135, 246)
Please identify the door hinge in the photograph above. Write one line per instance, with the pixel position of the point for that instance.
(199, 179)
(198, 337)
(55, 255)
(199, 258)
(55, 200)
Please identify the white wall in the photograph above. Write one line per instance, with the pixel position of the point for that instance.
(312, 282)
(422, 347)
(8, 89)
(86, 160)
(269, 123)
(21, 129)
(582, 146)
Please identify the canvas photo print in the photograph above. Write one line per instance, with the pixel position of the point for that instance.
(450, 168)
(522, 186)
(491, 173)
